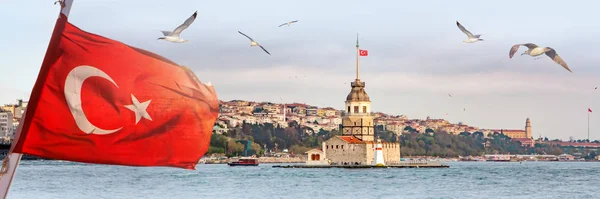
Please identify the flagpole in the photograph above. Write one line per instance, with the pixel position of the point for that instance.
(11, 161)
(588, 125)
(357, 54)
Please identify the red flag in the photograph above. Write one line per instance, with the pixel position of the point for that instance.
(363, 52)
(97, 100)
(589, 110)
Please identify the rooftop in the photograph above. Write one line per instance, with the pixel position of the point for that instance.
(358, 92)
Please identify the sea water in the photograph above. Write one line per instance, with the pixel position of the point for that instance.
(59, 179)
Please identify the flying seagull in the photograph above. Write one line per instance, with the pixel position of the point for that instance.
(472, 38)
(253, 43)
(174, 36)
(534, 51)
(596, 88)
(449, 95)
(288, 23)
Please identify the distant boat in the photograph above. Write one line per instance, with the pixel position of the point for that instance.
(245, 162)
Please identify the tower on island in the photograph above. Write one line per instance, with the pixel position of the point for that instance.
(356, 145)
(357, 119)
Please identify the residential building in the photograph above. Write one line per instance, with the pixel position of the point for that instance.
(6, 124)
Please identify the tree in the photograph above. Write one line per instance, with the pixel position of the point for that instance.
(258, 110)
(256, 149)
(234, 148)
(410, 129)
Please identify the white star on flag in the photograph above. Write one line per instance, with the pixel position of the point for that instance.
(139, 109)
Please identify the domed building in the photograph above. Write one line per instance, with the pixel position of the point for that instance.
(357, 144)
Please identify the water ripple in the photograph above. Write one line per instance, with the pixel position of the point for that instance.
(59, 179)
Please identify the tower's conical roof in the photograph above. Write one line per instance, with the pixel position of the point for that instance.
(358, 92)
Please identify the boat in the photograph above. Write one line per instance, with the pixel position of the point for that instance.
(244, 162)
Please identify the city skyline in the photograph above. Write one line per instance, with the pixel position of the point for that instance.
(415, 57)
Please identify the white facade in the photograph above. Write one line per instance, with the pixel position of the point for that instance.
(360, 104)
(6, 124)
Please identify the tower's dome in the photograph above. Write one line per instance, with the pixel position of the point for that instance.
(358, 92)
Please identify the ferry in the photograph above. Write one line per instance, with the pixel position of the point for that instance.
(245, 162)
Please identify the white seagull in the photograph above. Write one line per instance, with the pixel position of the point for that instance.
(288, 23)
(253, 43)
(174, 36)
(534, 51)
(472, 38)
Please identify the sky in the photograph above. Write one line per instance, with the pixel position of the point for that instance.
(416, 54)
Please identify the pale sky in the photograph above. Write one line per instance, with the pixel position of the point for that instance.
(416, 54)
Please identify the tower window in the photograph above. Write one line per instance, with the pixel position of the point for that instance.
(355, 109)
(348, 109)
(364, 109)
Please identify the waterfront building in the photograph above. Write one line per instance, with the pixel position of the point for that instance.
(523, 136)
(316, 157)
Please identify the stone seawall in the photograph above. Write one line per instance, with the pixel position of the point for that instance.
(282, 160)
(260, 160)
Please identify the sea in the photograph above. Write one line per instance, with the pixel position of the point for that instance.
(60, 179)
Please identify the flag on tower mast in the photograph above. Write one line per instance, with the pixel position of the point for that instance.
(589, 111)
(359, 53)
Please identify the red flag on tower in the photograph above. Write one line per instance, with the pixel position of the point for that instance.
(362, 52)
(589, 110)
(98, 100)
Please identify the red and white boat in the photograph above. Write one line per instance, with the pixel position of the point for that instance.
(244, 162)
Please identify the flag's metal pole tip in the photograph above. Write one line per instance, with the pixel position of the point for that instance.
(65, 6)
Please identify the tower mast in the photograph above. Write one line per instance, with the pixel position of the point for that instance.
(357, 54)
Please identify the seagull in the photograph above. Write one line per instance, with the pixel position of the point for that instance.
(174, 36)
(472, 38)
(596, 88)
(449, 95)
(288, 23)
(253, 43)
(534, 51)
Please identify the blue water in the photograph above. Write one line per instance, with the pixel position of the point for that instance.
(53, 179)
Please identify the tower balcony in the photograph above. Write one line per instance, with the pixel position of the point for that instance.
(344, 113)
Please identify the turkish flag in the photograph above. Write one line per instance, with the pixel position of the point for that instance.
(98, 100)
(589, 110)
(363, 52)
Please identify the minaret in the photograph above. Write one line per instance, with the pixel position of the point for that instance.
(528, 128)
(358, 120)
